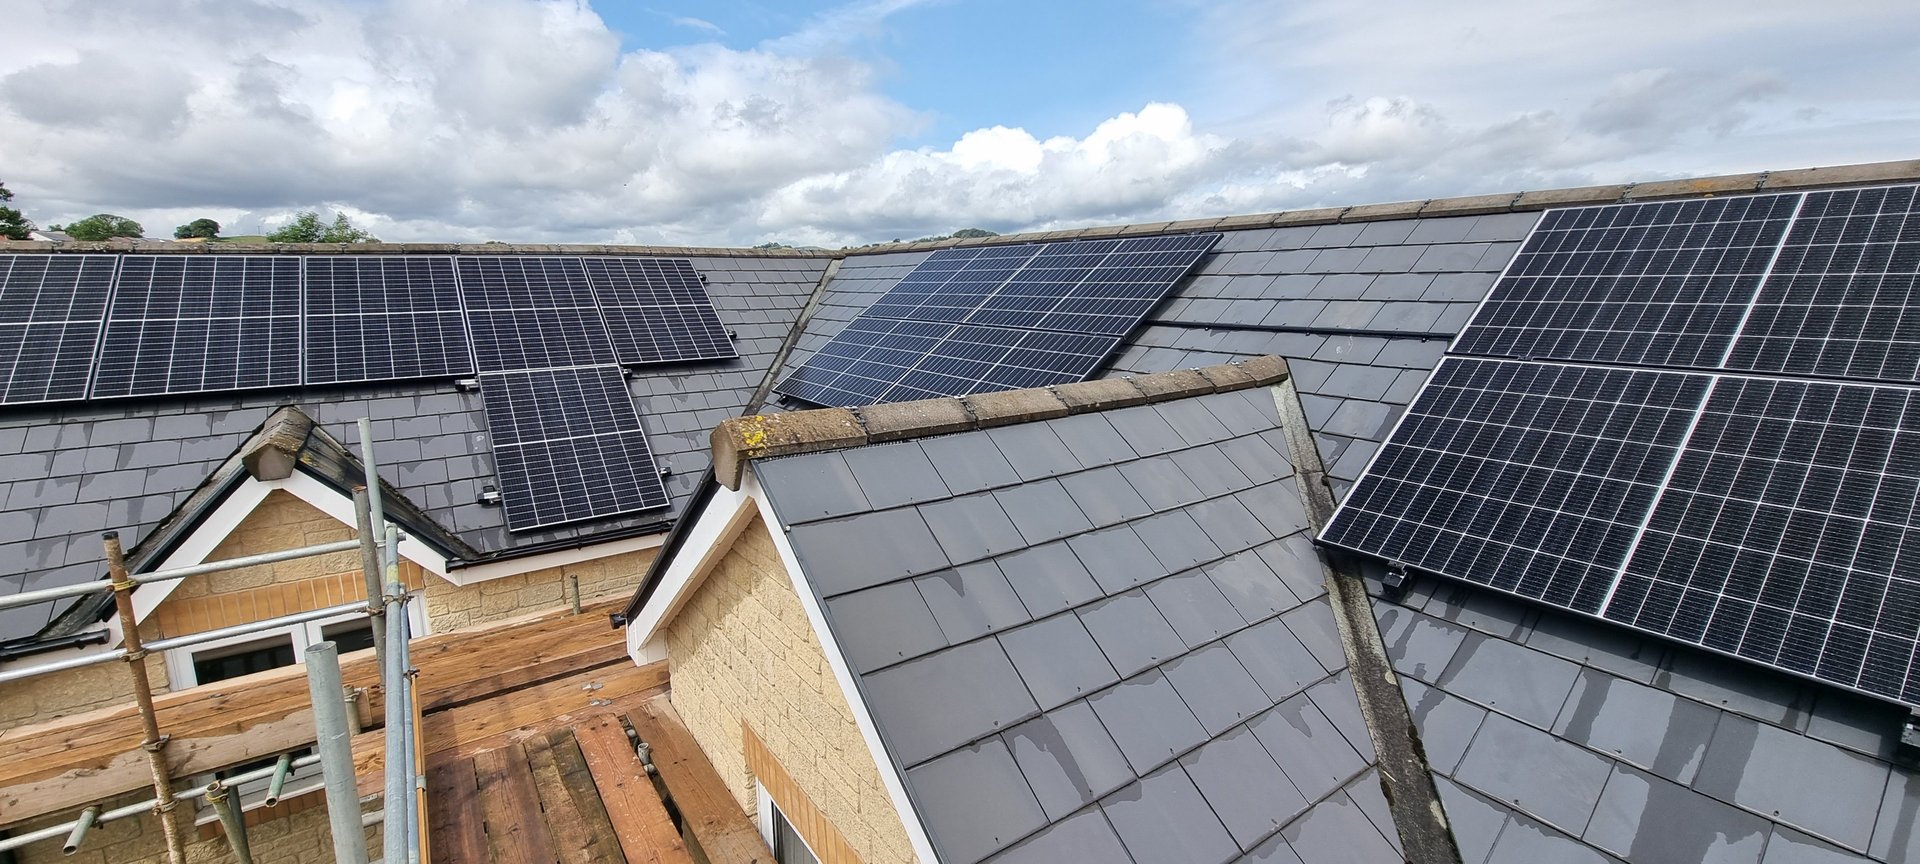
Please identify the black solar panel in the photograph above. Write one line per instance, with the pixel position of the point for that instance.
(1662, 284)
(383, 317)
(657, 311)
(531, 312)
(1784, 534)
(51, 308)
(567, 446)
(992, 318)
(188, 324)
(1530, 478)
(878, 360)
(1840, 301)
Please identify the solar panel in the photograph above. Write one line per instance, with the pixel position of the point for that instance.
(51, 308)
(531, 312)
(657, 310)
(383, 317)
(1530, 478)
(568, 445)
(1661, 284)
(189, 324)
(989, 318)
(1787, 534)
(1840, 299)
(878, 360)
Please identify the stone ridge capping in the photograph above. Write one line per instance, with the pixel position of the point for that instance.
(741, 439)
(134, 247)
(1791, 180)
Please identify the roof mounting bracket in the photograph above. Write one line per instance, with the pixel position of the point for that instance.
(1906, 751)
(490, 495)
(466, 385)
(1394, 584)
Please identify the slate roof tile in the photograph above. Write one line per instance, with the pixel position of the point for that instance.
(1068, 758)
(975, 802)
(1244, 787)
(971, 527)
(1336, 832)
(1553, 780)
(935, 703)
(1649, 728)
(1645, 818)
(1216, 688)
(971, 600)
(1085, 836)
(1811, 785)
(1131, 631)
(1509, 678)
(1049, 578)
(1058, 660)
(1105, 496)
(895, 625)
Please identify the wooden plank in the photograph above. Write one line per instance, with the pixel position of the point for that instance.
(578, 782)
(70, 762)
(706, 806)
(633, 805)
(515, 832)
(580, 836)
(534, 671)
(453, 809)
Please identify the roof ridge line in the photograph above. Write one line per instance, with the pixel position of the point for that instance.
(739, 440)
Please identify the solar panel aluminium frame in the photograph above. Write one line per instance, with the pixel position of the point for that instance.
(296, 322)
(480, 360)
(81, 363)
(704, 331)
(308, 315)
(625, 435)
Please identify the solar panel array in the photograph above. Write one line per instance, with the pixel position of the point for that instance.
(528, 312)
(50, 312)
(988, 318)
(1756, 501)
(567, 445)
(657, 311)
(384, 317)
(189, 324)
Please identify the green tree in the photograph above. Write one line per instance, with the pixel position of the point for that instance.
(13, 225)
(198, 228)
(306, 228)
(104, 226)
(965, 233)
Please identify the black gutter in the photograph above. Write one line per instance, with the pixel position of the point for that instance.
(1312, 331)
(17, 650)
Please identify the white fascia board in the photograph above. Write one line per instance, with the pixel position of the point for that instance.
(842, 673)
(711, 534)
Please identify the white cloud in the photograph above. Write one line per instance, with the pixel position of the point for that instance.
(526, 120)
(699, 24)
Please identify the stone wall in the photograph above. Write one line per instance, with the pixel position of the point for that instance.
(742, 651)
(299, 838)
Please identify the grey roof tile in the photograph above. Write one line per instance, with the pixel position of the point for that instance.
(1195, 424)
(1525, 842)
(1058, 659)
(1650, 728)
(1196, 609)
(1297, 563)
(1085, 836)
(1243, 412)
(1042, 510)
(1312, 623)
(1146, 430)
(1475, 820)
(1093, 440)
(975, 802)
(969, 463)
(1555, 781)
(894, 624)
(1509, 678)
(1336, 832)
(1276, 660)
(1229, 525)
(1479, 609)
(1276, 504)
(1216, 688)
(1068, 758)
(1131, 631)
(1738, 688)
(868, 549)
(1176, 540)
(934, 703)
(1160, 481)
(1788, 846)
(1644, 818)
(1034, 450)
(1372, 800)
(1855, 722)
(1049, 578)
(1360, 419)
(1149, 720)
(1246, 790)
(1418, 645)
(1314, 755)
(1117, 557)
(1337, 700)
(1391, 259)
(1105, 496)
(1163, 818)
(1503, 226)
(896, 474)
(971, 527)
(811, 487)
(1446, 723)
(1248, 582)
(1459, 287)
(971, 600)
(1209, 469)
(1811, 785)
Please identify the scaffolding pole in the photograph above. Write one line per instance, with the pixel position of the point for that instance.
(336, 754)
(154, 743)
(233, 821)
(370, 568)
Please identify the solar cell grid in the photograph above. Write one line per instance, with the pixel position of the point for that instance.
(383, 317)
(532, 312)
(568, 445)
(1840, 301)
(1530, 478)
(657, 311)
(1660, 284)
(51, 308)
(181, 324)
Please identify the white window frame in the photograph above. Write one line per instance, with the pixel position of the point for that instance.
(180, 676)
(767, 811)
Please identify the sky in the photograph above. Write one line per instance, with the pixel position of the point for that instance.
(729, 122)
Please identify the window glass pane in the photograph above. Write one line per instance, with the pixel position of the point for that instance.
(788, 848)
(349, 636)
(233, 661)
